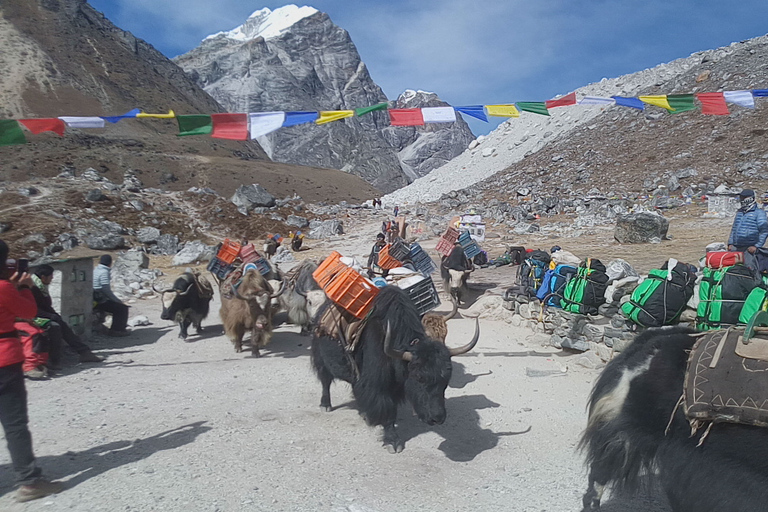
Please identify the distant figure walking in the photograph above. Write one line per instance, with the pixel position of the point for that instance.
(397, 210)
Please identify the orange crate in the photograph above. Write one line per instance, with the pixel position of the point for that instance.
(386, 261)
(451, 234)
(229, 251)
(444, 246)
(353, 292)
(248, 253)
(328, 269)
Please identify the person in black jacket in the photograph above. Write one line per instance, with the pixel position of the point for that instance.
(58, 330)
(373, 259)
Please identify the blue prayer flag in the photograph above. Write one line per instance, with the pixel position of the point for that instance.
(292, 118)
(757, 93)
(114, 119)
(629, 102)
(477, 111)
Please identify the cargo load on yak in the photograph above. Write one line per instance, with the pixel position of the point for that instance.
(585, 292)
(722, 294)
(661, 298)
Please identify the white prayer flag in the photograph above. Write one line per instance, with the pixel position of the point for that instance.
(438, 114)
(263, 123)
(83, 122)
(743, 98)
(596, 100)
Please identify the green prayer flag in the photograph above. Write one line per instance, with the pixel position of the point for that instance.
(10, 133)
(680, 102)
(537, 107)
(195, 124)
(366, 110)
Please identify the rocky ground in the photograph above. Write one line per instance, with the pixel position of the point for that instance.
(168, 425)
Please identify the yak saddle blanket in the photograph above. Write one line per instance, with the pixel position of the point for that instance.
(338, 324)
(727, 380)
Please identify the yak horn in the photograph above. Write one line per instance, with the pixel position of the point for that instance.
(469, 346)
(394, 354)
(161, 291)
(188, 289)
(453, 311)
(278, 292)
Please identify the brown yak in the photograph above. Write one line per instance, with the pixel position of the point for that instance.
(248, 307)
(436, 324)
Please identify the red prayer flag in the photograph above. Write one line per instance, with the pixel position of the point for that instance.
(568, 99)
(405, 117)
(713, 103)
(36, 126)
(230, 126)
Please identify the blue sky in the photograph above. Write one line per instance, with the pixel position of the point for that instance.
(479, 51)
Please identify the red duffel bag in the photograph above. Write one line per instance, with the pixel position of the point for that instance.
(720, 259)
(34, 340)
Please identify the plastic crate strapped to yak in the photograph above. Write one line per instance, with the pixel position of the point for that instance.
(232, 256)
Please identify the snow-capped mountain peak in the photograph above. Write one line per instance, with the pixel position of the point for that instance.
(267, 23)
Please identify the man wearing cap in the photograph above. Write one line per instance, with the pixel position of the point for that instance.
(750, 227)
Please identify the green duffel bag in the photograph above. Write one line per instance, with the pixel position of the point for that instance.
(722, 294)
(661, 298)
(585, 292)
(757, 300)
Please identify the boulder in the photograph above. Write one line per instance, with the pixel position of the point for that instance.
(94, 195)
(638, 228)
(104, 242)
(296, 221)
(192, 252)
(247, 198)
(148, 235)
(166, 245)
(325, 228)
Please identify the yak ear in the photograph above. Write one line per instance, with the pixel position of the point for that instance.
(414, 341)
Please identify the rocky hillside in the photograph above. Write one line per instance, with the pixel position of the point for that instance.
(618, 151)
(64, 58)
(297, 59)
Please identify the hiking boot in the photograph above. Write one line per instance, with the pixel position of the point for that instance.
(39, 373)
(118, 334)
(90, 357)
(39, 489)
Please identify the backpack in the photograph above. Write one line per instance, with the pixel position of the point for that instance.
(531, 272)
(757, 300)
(554, 283)
(517, 254)
(661, 298)
(722, 294)
(585, 292)
(481, 258)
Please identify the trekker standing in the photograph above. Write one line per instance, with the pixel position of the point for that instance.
(373, 258)
(16, 300)
(57, 328)
(750, 228)
(105, 298)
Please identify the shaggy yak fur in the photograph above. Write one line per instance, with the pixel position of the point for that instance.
(454, 271)
(634, 428)
(184, 304)
(382, 378)
(249, 309)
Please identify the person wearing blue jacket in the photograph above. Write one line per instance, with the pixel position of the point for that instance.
(750, 228)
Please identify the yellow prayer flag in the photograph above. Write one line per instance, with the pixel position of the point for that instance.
(502, 110)
(659, 100)
(170, 115)
(333, 115)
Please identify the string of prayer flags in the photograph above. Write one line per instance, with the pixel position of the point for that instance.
(262, 123)
(568, 99)
(327, 116)
(367, 110)
(294, 118)
(53, 124)
(657, 100)
(169, 115)
(10, 133)
(502, 110)
(194, 124)
(629, 102)
(230, 126)
(712, 103)
(83, 122)
(741, 98)
(476, 111)
(406, 117)
(537, 107)
(681, 102)
(438, 114)
(113, 119)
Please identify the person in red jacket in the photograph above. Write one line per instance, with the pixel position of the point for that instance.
(17, 301)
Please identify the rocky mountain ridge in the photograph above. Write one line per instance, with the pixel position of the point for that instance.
(310, 64)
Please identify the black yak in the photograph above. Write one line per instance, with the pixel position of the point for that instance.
(393, 361)
(187, 302)
(454, 270)
(635, 427)
(249, 308)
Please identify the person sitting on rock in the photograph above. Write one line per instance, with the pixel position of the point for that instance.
(750, 228)
(106, 300)
(58, 330)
